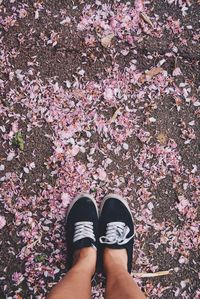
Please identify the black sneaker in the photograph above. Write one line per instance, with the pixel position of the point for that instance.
(116, 226)
(81, 225)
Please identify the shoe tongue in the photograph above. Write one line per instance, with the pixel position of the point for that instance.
(86, 242)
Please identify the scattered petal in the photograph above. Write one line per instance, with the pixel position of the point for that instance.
(2, 221)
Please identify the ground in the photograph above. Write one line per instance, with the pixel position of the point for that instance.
(99, 96)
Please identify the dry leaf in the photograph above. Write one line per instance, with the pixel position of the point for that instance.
(19, 296)
(115, 115)
(178, 101)
(142, 79)
(146, 19)
(78, 93)
(162, 138)
(106, 40)
(156, 274)
(153, 72)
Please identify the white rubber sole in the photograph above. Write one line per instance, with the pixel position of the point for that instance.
(120, 198)
(77, 198)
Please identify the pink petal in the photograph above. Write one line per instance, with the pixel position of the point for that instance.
(102, 174)
(65, 199)
(75, 150)
(2, 222)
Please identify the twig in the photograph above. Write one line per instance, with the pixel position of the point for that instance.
(155, 274)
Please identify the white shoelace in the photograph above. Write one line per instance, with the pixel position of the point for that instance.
(83, 229)
(116, 233)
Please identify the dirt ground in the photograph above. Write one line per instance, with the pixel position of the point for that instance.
(57, 76)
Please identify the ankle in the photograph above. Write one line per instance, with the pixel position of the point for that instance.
(115, 260)
(85, 259)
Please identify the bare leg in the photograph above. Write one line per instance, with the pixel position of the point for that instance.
(120, 284)
(76, 283)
